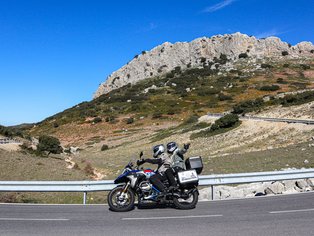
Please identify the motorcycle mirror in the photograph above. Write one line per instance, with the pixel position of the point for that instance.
(141, 154)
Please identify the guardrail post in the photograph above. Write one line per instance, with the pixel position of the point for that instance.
(84, 198)
(212, 188)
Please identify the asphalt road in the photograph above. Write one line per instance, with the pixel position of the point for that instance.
(280, 215)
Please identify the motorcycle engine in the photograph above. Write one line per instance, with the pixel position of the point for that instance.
(145, 186)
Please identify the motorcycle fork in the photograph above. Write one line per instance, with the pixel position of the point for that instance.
(125, 189)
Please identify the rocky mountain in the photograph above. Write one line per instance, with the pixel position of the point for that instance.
(166, 57)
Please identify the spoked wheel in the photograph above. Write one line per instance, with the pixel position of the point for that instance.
(187, 202)
(119, 201)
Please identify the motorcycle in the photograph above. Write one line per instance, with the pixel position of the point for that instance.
(135, 182)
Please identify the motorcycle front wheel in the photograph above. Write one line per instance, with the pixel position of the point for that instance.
(188, 203)
(119, 201)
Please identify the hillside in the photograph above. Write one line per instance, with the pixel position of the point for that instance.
(171, 98)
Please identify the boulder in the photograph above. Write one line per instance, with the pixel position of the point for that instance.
(302, 184)
(275, 188)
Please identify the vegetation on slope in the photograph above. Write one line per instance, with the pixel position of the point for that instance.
(195, 90)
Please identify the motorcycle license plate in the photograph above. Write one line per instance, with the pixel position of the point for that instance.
(187, 176)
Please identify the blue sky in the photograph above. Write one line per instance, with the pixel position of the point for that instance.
(55, 53)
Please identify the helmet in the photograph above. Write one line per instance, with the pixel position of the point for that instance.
(171, 147)
(158, 149)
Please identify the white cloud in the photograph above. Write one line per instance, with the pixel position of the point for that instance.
(272, 32)
(218, 6)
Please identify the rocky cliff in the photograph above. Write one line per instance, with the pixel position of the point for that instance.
(166, 57)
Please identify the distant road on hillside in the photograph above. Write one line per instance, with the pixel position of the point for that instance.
(248, 117)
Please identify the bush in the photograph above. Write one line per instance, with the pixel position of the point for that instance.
(96, 120)
(157, 115)
(104, 147)
(273, 87)
(49, 144)
(110, 119)
(130, 120)
(224, 122)
(286, 65)
(297, 99)
(248, 106)
(284, 53)
(305, 67)
(264, 66)
(224, 97)
(281, 81)
(243, 55)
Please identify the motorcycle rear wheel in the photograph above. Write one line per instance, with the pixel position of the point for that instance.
(119, 201)
(186, 204)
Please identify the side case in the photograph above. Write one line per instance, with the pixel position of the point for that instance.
(188, 178)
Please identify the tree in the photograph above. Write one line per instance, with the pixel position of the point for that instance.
(49, 144)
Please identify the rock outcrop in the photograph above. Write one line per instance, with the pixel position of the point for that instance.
(166, 57)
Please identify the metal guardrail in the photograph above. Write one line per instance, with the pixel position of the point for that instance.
(9, 140)
(107, 185)
(248, 117)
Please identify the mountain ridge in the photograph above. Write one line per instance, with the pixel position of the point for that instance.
(167, 56)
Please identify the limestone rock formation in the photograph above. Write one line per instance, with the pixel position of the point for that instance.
(166, 57)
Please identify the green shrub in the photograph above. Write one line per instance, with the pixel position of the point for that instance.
(110, 119)
(96, 120)
(297, 99)
(130, 120)
(243, 55)
(104, 147)
(157, 115)
(284, 53)
(248, 106)
(286, 65)
(226, 121)
(224, 97)
(264, 66)
(305, 67)
(49, 144)
(273, 87)
(281, 81)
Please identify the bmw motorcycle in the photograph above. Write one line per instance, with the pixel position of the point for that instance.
(135, 182)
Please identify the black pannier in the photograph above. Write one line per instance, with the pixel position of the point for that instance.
(195, 163)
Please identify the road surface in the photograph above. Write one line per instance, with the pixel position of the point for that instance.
(278, 215)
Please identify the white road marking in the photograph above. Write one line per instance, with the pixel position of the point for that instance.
(291, 211)
(171, 217)
(31, 219)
